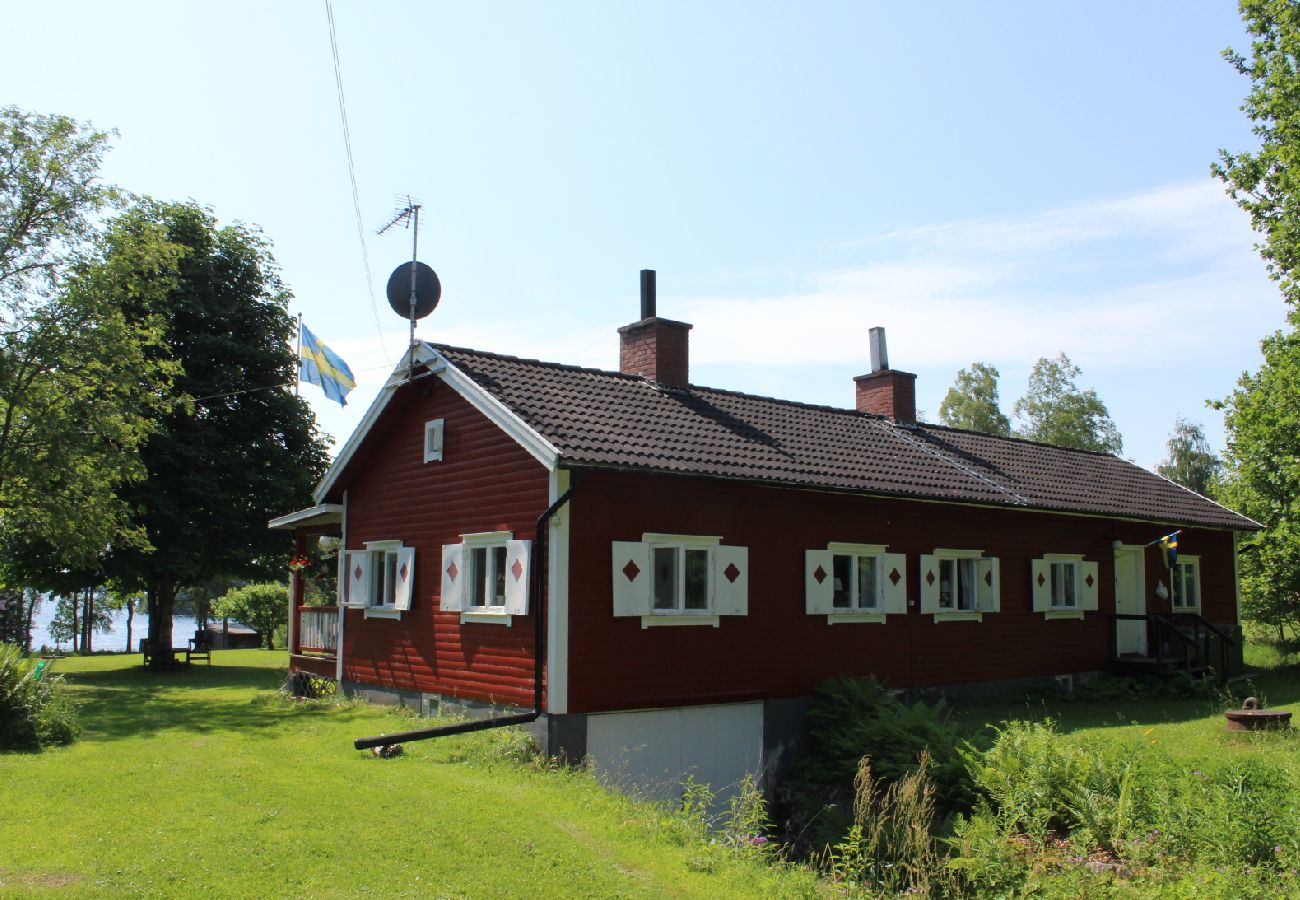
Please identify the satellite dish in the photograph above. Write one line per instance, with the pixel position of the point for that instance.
(428, 290)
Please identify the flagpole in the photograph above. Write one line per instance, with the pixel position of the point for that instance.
(297, 352)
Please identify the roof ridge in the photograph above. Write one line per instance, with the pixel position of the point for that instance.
(1016, 439)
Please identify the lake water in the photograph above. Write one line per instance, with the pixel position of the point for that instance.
(183, 628)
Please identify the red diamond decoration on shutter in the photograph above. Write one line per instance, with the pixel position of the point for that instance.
(516, 570)
(358, 573)
(895, 577)
(820, 574)
(731, 572)
(929, 578)
(631, 570)
(401, 573)
(988, 578)
(1088, 580)
(452, 571)
(1041, 580)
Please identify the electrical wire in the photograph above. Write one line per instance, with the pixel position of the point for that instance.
(352, 175)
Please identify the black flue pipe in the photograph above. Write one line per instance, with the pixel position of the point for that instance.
(539, 637)
(647, 293)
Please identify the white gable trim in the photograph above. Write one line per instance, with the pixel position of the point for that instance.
(496, 411)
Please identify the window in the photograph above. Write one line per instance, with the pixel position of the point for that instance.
(855, 582)
(380, 577)
(679, 579)
(433, 440)
(1064, 584)
(485, 577)
(1186, 578)
(959, 584)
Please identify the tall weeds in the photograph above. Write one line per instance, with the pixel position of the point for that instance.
(34, 710)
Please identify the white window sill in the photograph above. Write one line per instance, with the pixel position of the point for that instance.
(964, 615)
(1052, 614)
(654, 621)
(848, 617)
(486, 618)
(382, 612)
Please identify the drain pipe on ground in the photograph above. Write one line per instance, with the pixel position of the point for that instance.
(539, 635)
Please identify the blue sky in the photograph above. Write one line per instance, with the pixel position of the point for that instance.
(991, 182)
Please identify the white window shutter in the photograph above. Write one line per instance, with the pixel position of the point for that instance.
(453, 577)
(631, 571)
(1088, 584)
(929, 583)
(517, 556)
(731, 581)
(405, 578)
(893, 583)
(341, 583)
(1040, 582)
(818, 582)
(358, 578)
(988, 589)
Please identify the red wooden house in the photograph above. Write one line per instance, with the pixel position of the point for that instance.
(701, 559)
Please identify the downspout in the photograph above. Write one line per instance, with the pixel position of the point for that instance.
(538, 579)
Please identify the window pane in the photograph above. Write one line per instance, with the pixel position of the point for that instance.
(498, 576)
(947, 582)
(1067, 577)
(478, 575)
(697, 579)
(390, 577)
(1057, 594)
(665, 577)
(966, 584)
(842, 567)
(867, 582)
(1176, 582)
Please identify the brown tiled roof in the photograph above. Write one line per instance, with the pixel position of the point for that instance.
(607, 419)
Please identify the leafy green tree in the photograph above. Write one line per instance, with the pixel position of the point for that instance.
(241, 448)
(263, 606)
(1190, 462)
(1264, 182)
(972, 402)
(1055, 411)
(79, 387)
(1262, 466)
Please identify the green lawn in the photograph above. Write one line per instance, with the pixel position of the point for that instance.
(207, 783)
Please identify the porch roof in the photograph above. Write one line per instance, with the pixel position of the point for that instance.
(313, 517)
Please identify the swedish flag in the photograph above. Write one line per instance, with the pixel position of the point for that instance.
(1169, 544)
(324, 368)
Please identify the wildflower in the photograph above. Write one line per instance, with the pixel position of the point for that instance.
(1147, 732)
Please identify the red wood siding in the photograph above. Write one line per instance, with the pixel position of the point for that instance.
(779, 650)
(485, 482)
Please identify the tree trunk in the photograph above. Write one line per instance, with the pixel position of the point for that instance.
(88, 622)
(76, 622)
(34, 598)
(161, 595)
(130, 616)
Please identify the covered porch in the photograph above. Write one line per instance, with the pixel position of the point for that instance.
(315, 626)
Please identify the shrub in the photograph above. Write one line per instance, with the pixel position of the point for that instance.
(34, 711)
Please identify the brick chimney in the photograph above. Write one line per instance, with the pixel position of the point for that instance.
(658, 349)
(884, 391)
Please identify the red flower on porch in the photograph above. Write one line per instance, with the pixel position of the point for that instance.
(298, 563)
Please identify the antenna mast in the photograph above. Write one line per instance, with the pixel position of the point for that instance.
(410, 214)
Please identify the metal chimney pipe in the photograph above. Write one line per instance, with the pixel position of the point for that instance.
(647, 293)
(879, 353)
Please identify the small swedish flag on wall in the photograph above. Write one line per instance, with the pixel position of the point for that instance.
(1169, 544)
(321, 366)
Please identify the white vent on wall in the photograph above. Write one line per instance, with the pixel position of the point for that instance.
(433, 440)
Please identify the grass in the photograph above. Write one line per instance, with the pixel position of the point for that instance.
(208, 783)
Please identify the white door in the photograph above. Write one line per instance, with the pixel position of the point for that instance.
(1130, 599)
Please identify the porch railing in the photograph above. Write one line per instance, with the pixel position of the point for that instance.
(1178, 641)
(318, 629)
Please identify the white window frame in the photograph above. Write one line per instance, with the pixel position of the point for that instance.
(635, 595)
(433, 440)
(1047, 585)
(819, 596)
(1186, 568)
(383, 592)
(985, 571)
(458, 592)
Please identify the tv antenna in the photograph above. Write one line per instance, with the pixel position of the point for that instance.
(413, 288)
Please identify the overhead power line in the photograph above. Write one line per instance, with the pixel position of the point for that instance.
(352, 175)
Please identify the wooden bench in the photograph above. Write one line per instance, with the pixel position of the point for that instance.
(199, 648)
(177, 653)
